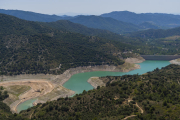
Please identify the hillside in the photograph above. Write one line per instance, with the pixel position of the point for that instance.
(149, 25)
(160, 33)
(159, 19)
(117, 22)
(78, 28)
(31, 47)
(31, 16)
(105, 24)
(167, 41)
(140, 44)
(150, 96)
(89, 21)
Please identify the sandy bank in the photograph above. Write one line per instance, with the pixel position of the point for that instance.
(49, 87)
(176, 61)
(61, 79)
(38, 88)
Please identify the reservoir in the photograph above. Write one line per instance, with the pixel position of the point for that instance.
(78, 82)
(25, 105)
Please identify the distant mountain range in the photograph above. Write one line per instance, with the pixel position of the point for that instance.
(97, 22)
(117, 22)
(105, 24)
(31, 16)
(159, 19)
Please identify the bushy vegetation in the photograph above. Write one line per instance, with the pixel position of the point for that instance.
(5, 113)
(157, 93)
(30, 47)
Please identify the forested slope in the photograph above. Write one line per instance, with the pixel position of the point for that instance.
(31, 47)
(105, 24)
(159, 19)
(160, 33)
(156, 93)
(32, 16)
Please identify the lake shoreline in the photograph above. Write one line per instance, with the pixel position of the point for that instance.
(70, 72)
(59, 80)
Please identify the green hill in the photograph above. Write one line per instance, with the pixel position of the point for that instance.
(89, 21)
(160, 19)
(31, 16)
(105, 24)
(149, 25)
(160, 33)
(31, 47)
(154, 95)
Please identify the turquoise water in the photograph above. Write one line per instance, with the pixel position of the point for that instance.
(78, 82)
(25, 105)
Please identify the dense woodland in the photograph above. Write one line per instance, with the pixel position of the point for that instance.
(161, 20)
(157, 93)
(28, 47)
(31, 47)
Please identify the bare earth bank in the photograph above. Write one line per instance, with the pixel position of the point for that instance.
(51, 85)
(176, 61)
(126, 67)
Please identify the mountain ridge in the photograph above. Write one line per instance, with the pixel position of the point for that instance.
(160, 19)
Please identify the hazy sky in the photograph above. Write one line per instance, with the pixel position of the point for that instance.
(95, 7)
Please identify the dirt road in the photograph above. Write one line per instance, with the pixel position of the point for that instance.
(39, 88)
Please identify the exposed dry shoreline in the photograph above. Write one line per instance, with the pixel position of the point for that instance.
(176, 61)
(128, 66)
(61, 79)
(58, 80)
(38, 88)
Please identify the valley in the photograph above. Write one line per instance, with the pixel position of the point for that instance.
(118, 65)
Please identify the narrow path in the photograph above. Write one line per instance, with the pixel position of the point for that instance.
(142, 111)
(129, 117)
(31, 114)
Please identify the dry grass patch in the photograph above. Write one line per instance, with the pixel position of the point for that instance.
(17, 89)
(10, 99)
(60, 91)
(95, 81)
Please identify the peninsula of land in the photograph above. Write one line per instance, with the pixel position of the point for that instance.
(49, 87)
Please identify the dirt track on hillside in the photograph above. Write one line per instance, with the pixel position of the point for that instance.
(39, 88)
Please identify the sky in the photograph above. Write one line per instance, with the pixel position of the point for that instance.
(92, 7)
